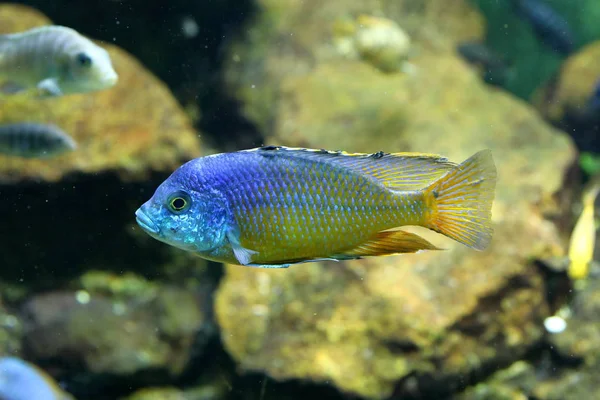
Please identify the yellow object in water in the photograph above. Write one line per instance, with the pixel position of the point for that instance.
(583, 238)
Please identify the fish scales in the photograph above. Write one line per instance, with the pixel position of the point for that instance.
(276, 206)
(294, 208)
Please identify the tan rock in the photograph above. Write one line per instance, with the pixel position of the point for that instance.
(290, 37)
(366, 325)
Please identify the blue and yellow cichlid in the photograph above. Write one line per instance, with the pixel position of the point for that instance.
(276, 206)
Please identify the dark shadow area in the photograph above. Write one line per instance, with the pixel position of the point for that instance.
(80, 223)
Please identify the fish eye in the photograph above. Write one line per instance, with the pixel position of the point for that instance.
(83, 59)
(179, 202)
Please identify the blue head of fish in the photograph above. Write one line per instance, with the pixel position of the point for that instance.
(185, 211)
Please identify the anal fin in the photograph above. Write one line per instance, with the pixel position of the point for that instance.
(390, 242)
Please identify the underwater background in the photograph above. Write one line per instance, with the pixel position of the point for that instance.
(110, 313)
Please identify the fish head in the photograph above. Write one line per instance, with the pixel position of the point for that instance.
(192, 219)
(88, 68)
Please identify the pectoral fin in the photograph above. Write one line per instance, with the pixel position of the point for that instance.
(242, 254)
(389, 242)
(49, 87)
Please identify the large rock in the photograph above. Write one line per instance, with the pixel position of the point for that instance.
(572, 371)
(132, 129)
(126, 328)
(367, 326)
(290, 37)
(10, 332)
(214, 391)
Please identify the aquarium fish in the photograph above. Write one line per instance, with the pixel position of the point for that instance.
(479, 54)
(495, 68)
(275, 206)
(55, 59)
(593, 103)
(550, 27)
(583, 238)
(20, 380)
(34, 140)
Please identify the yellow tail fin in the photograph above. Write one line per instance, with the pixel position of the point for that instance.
(462, 201)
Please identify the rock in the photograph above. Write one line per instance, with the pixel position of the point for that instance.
(367, 326)
(11, 332)
(208, 392)
(581, 338)
(513, 383)
(158, 394)
(132, 129)
(571, 372)
(118, 335)
(569, 385)
(543, 381)
(378, 41)
(289, 37)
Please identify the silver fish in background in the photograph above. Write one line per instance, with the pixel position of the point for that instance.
(55, 59)
(33, 140)
(20, 380)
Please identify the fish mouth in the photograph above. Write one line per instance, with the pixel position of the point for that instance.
(110, 79)
(145, 222)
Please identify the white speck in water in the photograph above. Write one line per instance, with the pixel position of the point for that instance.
(10, 321)
(253, 86)
(119, 308)
(555, 324)
(82, 297)
(189, 27)
(260, 310)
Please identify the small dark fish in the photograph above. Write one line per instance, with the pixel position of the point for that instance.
(479, 53)
(594, 100)
(495, 68)
(550, 27)
(33, 140)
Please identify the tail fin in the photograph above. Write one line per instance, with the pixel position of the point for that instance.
(462, 201)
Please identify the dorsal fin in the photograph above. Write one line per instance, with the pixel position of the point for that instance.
(397, 171)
